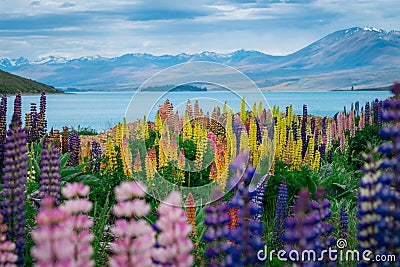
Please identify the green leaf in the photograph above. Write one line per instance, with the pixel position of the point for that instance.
(69, 170)
(64, 159)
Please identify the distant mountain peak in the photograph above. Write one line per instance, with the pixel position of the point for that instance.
(359, 56)
(373, 29)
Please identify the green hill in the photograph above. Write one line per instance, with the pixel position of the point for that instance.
(10, 84)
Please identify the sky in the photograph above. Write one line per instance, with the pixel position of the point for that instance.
(72, 29)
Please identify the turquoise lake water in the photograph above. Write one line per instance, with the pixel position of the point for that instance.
(102, 110)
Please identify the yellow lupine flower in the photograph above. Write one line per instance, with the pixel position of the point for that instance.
(244, 141)
(118, 134)
(150, 171)
(243, 111)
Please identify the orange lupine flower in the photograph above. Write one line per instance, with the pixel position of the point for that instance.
(191, 214)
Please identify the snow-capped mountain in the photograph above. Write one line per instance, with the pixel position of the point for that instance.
(360, 57)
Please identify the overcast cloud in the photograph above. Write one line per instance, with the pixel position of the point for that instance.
(72, 29)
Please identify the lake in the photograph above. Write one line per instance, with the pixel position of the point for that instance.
(102, 110)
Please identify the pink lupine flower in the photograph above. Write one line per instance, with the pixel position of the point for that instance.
(361, 122)
(80, 223)
(128, 190)
(7, 248)
(174, 244)
(53, 246)
(134, 237)
(74, 190)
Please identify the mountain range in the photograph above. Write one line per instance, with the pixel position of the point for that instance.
(360, 57)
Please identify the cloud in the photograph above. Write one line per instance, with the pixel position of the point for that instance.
(67, 4)
(35, 3)
(114, 27)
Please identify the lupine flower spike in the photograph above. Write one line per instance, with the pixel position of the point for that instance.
(173, 242)
(134, 237)
(7, 255)
(50, 172)
(77, 206)
(280, 214)
(216, 220)
(246, 237)
(53, 246)
(14, 179)
(301, 233)
(344, 221)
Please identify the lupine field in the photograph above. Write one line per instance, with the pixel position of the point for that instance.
(230, 188)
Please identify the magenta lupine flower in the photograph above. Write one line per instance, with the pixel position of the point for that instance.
(352, 123)
(14, 179)
(134, 236)
(79, 222)
(50, 172)
(7, 248)
(173, 242)
(53, 246)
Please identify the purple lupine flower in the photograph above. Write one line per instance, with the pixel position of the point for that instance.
(304, 131)
(322, 149)
(95, 156)
(379, 116)
(77, 206)
(323, 129)
(50, 172)
(301, 233)
(280, 214)
(294, 129)
(312, 125)
(344, 221)
(322, 213)
(32, 127)
(387, 188)
(53, 246)
(3, 128)
(41, 120)
(330, 156)
(367, 203)
(173, 242)
(367, 113)
(18, 108)
(7, 248)
(245, 238)
(74, 147)
(258, 198)
(135, 238)
(379, 195)
(14, 179)
(216, 220)
(357, 108)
